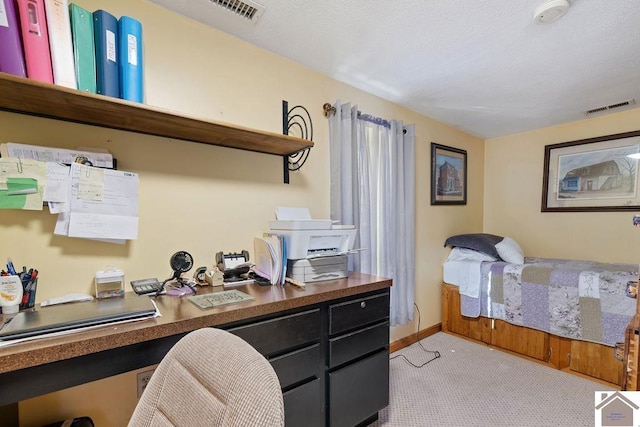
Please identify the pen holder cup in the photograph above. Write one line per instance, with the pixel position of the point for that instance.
(29, 295)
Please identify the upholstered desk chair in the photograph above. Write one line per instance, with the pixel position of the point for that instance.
(211, 378)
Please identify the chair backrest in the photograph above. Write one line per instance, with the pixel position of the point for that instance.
(211, 378)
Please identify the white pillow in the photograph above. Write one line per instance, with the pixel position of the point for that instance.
(510, 251)
(460, 254)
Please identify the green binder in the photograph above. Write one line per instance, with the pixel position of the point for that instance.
(83, 47)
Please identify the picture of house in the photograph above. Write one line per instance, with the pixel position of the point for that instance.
(598, 174)
(598, 177)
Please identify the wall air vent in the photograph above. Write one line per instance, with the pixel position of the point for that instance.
(610, 107)
(247, 9)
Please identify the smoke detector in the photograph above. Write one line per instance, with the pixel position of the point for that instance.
(551, 11)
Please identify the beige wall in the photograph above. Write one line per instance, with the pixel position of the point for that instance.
(513, 194)
(203, 198)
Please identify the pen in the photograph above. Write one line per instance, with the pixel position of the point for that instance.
(10, 269)
(32, 293)
(25, 278)
(295, 282)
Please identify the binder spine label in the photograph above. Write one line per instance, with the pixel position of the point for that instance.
(132, 49)
(4, 20)
(34, 20)
(111, 46)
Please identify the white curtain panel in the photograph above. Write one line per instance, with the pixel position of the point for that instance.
(373, 187)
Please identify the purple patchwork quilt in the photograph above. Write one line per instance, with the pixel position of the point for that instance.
(582, 300)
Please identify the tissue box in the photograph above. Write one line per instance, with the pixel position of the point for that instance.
(109, 283)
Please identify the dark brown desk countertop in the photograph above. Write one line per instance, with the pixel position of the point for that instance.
(179, 316)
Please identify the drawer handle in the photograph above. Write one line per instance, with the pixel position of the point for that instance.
(363, 304)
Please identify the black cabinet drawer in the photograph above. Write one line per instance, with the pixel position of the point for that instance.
(303, 406)
(364, 341)
(355, 313)
(359, 390)
(297, 366)
(277, 335)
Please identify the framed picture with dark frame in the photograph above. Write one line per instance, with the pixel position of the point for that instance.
(448, 175)
(592, 175)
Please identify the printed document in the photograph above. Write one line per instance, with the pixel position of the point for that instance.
(57, 155)
(22, 183)
(103, 204)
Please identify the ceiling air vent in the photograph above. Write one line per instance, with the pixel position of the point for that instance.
(610, 107)
(247, 9)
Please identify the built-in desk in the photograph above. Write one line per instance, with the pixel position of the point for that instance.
(352, 315)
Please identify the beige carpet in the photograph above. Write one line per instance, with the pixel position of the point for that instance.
(473, 385)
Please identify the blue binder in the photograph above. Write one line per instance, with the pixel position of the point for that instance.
(130, 58)
(105, 30)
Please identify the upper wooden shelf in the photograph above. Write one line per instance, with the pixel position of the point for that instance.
(20, 95)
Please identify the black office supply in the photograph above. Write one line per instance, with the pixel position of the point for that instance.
(145, 286)
(233, 265)
(75, 315)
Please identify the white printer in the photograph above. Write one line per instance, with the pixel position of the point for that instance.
(316, 249)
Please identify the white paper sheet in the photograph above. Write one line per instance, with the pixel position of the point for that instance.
(103, 204)
(98, 158)
(57, 186)
(19, 168)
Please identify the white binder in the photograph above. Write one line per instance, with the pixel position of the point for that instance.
(60, 43)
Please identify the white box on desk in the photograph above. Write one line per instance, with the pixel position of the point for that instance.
(318, 269)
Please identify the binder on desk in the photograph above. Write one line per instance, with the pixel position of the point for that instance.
(11, 56)
(35, 38)
(83, 48)
(60, 43)
(130, 59)
(105, 30)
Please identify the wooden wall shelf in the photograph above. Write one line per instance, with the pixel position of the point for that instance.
(24, 96)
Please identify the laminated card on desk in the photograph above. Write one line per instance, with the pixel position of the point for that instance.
(105, 30)
(130, 59)
(84, 53)
(60, 43)
(11, 56)
(35, 38)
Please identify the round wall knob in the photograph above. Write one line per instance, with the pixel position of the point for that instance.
(363, 304)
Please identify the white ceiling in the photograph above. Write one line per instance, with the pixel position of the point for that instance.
(482, 66)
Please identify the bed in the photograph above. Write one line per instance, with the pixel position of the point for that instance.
(581, 308)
